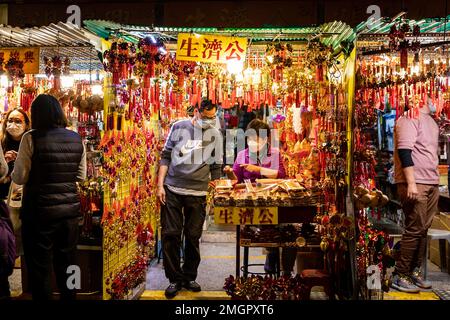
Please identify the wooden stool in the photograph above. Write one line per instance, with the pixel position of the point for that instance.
(320, 278)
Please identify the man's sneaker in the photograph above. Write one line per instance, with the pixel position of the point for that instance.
(418, 280)
(172, 290)
(192, 286)
(404, 284)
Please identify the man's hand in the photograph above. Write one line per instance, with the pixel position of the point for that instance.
(412, 192)
(161, 194)
(251, 167)
(10, 156)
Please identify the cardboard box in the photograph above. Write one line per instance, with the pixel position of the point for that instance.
(441, 222)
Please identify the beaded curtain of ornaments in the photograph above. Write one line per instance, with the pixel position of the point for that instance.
(130, 147)
(313, 127)
(401, 79)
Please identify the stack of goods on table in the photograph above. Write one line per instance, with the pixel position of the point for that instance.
(266, 193)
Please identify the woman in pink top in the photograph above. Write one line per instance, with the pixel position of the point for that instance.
(259, 160)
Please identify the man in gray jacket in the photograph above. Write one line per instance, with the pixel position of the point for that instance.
(191, 158)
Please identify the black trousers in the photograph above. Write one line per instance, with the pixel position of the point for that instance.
(4, 287)
(288, 257)
(172, 226)
(46, 244)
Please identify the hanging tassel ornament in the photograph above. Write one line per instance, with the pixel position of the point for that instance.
(319, 73)
(404, 58)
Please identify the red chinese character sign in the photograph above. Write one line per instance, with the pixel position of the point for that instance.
(210, 48)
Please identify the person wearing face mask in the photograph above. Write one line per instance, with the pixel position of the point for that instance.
(191, 158)
(417, 180)
(14, 127)
(258, 161)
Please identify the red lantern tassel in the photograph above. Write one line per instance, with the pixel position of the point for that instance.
(157, 98)
(233, 96)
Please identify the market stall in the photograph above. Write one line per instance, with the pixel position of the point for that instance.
(61, 60)
(297, 79)
(401, 64)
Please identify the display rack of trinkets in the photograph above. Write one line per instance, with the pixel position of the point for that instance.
(84, 112)
(131, 148)
(396, 80)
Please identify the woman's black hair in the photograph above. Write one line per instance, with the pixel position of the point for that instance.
(47, 113)
(258, 125)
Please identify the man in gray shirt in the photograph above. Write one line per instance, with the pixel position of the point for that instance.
(191, 158)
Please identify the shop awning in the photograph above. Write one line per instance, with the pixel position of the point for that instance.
(63, 39)
(334, 34)
(429, 27)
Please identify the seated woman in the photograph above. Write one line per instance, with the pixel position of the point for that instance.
(258, 161)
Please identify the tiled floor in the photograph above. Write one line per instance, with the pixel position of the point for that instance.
(218, 262)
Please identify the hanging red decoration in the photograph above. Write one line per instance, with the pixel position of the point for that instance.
(119, 60)
(56, 67)
(151, 52)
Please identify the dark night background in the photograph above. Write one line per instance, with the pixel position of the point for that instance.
(25, 13)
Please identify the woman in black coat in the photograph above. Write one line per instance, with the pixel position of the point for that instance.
(50, 161)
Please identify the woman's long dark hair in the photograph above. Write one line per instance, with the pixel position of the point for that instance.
(47, 113)
(5, 135)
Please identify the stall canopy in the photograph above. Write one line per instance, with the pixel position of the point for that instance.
(336, 34)
(62, 39)
(433, 27)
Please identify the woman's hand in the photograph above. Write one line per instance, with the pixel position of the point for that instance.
(251, 167)
(229, 172)
(10, 156)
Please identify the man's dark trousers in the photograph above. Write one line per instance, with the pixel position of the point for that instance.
(194, 209)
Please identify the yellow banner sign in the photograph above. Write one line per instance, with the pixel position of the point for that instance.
(29, 57)
(210, 48)
(245, 215)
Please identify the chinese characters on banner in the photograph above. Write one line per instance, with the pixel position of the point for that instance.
(29, 57)
(245, 215)
(210, 48)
